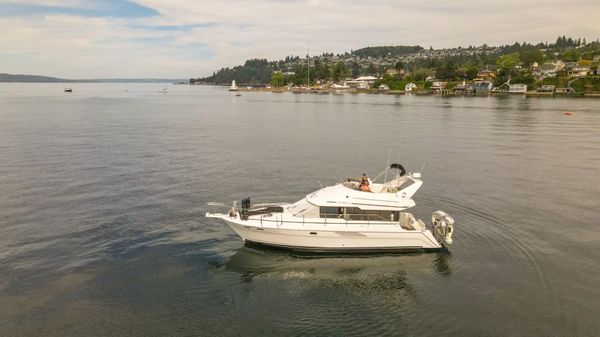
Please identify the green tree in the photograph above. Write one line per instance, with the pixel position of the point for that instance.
(472, 71)
(530, 56)
(277, 79)
(399, 65)
(508, 61)
(571, 55)
(422, 74)
(340, 71)
(355, 69)
(371, 69)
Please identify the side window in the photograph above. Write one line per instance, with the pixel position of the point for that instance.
(329, 212)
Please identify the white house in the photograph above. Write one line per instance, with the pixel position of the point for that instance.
(410, 87)
(363, 82)
(517, 88)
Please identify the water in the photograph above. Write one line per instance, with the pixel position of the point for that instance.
(104, 190)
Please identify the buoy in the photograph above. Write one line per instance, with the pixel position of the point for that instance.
(568, 113)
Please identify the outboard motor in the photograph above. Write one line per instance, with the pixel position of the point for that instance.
(245, 208)
(443, 227)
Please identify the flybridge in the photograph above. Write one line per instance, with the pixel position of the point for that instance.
(392, 195)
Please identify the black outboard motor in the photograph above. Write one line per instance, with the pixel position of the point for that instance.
(245, 208)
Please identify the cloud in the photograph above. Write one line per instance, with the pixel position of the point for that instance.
(106, 8)
(188, 38)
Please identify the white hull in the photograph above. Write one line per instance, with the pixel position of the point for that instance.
(332, 236)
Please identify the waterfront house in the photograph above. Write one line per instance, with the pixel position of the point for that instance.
(482, 87)
(438, 87)
(517, 88)
(362, 82)
(464, 89)
(410, 87)
(564, 90)
(547, 89)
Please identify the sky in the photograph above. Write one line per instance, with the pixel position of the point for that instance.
(81, 39)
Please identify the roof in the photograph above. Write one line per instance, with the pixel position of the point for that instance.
(366, 78)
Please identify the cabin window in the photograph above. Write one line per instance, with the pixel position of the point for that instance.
(330, 212)
(357, 214)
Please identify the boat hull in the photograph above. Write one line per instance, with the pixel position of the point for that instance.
(331, 240)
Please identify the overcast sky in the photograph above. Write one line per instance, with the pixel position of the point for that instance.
(191, 38)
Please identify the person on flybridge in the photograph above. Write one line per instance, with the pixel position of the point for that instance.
(364, 183)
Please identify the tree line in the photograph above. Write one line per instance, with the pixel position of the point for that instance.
(462, 64)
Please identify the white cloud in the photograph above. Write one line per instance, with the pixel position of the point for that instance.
(227, 33)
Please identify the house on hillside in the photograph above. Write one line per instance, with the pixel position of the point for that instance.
(577, 70)
(395, 72)
(549, 69)
(486, 75)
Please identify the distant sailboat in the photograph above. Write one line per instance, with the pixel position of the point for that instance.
(233, 86)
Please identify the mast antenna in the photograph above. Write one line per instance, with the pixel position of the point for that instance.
(388, 165)
(308, 60)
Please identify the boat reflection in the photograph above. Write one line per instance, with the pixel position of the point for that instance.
(251, 261)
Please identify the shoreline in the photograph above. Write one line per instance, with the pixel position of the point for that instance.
(330, 91)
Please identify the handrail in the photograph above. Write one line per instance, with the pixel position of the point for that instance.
(348, 216)
(280, 221)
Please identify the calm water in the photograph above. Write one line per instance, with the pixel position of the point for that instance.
(103, 193)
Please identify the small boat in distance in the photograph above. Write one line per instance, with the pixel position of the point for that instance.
(346, 217)
(233, 86)
(238, 94)
(68, 89)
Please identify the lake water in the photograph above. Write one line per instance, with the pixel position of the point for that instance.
(104, 191)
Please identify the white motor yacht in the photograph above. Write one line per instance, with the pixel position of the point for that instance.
(345, 217)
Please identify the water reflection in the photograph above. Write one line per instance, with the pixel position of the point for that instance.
(250, 261)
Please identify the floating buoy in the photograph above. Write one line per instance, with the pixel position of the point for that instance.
(568, 113)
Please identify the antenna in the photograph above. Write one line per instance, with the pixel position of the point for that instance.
(388, 165)
(308, 61)
(398, 173)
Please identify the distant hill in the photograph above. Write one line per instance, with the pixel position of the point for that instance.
(45, 79)
(29, 78)
(383, 51)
